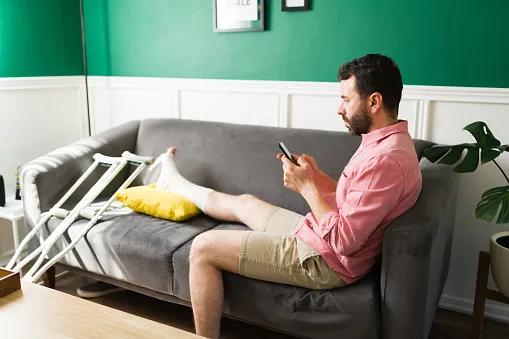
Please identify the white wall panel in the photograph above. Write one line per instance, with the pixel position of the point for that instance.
(37, 115)
(232, 107)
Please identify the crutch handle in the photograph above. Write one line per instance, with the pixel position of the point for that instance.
(137, 158)
(103, 159)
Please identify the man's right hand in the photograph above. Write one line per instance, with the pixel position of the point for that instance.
(324, 183)
(312, 162)
(306, 157)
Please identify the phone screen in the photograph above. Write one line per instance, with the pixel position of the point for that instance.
(287, 152)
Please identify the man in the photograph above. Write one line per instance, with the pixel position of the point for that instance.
(339, 241)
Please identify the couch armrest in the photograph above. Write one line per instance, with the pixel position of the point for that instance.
(415, 256)
(46, 179)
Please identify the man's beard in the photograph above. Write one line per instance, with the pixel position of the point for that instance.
(360, 123)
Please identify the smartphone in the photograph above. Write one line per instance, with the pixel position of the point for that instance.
(287, 153)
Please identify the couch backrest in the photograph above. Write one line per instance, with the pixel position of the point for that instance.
(240, 159)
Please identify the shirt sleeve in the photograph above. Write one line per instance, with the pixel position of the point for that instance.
(330, 198)
(373, 192)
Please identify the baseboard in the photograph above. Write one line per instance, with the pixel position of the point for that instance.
(494, 311)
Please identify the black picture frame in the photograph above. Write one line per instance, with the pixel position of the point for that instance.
(244, 26)
(286, 8)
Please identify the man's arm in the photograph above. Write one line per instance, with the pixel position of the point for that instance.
(372, 194)
(316, 202)
(324, 183)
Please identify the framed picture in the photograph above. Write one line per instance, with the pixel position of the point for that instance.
(239, 15)
(294, 5)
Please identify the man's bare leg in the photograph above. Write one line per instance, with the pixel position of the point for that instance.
(246, 209)
(215, 251)
(211, 253)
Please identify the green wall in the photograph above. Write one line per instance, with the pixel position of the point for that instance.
(435, 42)
(40, 38)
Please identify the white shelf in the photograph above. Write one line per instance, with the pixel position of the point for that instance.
(13, 209)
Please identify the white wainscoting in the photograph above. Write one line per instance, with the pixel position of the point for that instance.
(37, 115)
(115, 100)
(434, 113)
(52, 112)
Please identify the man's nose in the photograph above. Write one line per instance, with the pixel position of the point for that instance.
(341, 110)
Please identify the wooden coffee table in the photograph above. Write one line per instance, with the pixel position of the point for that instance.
(40, 312)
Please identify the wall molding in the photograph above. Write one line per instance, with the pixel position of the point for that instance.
(462, 305)
(76, 83)
(255, 93)
(416, 92)
(42, 82)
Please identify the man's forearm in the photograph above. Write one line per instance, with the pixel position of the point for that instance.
(324, 183)
(316, 202)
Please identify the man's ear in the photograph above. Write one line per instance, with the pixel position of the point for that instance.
(375, 102)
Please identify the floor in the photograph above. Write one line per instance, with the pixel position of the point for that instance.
(447, 324)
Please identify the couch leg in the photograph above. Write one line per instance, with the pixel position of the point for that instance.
(49, 277)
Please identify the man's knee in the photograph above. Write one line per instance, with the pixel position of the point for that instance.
(201, 246)
(246, 199)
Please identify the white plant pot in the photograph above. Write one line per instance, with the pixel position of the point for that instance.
(499, 261)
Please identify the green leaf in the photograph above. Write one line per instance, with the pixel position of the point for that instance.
(482, 134)
(434, 153)
(450, 155)
(470, 162)
(488, 207)
(487, 145)
(488, 155)
(453, 156)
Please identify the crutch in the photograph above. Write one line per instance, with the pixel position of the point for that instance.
(141, 162)
(57, 210)
(115, 164)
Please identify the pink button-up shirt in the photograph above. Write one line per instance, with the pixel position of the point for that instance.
(381, 182)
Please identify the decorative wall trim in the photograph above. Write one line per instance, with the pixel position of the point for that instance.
(422, 118)
(492, 311)
(46, 83)
(284, 102)
(431, 93)
(172, 89)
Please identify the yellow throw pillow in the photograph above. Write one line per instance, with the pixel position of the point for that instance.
(158, 203)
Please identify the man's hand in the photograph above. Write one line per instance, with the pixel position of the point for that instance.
(297, 178)
(306, 157)
(323, 182)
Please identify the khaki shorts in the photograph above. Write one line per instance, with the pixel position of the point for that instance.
(276, 256)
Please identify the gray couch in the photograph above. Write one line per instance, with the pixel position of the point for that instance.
(397, 300)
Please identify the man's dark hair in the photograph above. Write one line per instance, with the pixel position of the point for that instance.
(376, 73)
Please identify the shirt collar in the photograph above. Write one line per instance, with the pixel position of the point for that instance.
(378, 134)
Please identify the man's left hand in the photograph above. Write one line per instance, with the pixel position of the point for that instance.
(297, 178)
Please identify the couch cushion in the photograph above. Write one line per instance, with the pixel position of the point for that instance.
(346, 312)
(135, 248)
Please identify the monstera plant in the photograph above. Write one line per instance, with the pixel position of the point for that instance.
(494, 201)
